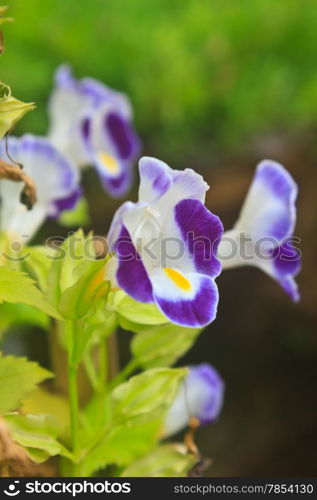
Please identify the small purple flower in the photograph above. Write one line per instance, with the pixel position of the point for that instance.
(92, 124)
(263, 234)
(56, 180)
(165, 245)
(200, 395)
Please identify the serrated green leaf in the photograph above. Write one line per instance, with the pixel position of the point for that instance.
(168, 460)
(37, 434)
(121, 446)
(18, 377)
(17, 287)
(150, 392)
(11, 111)
(38, 264)
(137, 312)
(162, 345)
(22, 314)
(41, 401)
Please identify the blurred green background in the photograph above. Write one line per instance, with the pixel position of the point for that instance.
(215, 85)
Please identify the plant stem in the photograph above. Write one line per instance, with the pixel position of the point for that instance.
(72, 370)
(73, 398)
(125, 372)
(91, 371)
(103, 364)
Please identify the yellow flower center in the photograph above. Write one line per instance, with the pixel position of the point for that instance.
(109, 162)
(178, 278)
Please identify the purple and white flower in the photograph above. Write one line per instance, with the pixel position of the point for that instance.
(165, 245)
(263, 234)
(200, 395)
(55, 177)
(92, 124)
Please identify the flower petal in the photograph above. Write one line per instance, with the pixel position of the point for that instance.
(55, 179)
(155, 179)
(269, 208)
(188, 299)
(200, 231)
(200, 395)
(117, 186)
(131, 274)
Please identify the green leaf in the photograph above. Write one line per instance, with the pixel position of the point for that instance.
(18, 377)
(41, 401)
(74, 259)
(38, 264)
(168, 460)
(67, 257)
(151, 391)
(22, 314)
(18, 287)
(94, 329)
(11, 111)
(137, 312)
(125, 324)
(79, 216)
(37, 434)
(162, 345)
(80, 299)
(121, 446)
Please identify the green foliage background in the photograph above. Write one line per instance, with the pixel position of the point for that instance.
(203, 75)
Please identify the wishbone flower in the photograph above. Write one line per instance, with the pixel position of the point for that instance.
(165, 245)
(263, 234)
(56, 182)
(92, 124)
(200, 396)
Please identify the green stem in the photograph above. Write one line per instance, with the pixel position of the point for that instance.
(103, 364)
(125, 372)
(73, 397)
(91, 371)
(72, 370)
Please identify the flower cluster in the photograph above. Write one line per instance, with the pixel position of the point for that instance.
(165, 252)
(166, 245)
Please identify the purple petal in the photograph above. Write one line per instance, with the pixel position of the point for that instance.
(214, 387)
(286, 259)
(131, 273)
(197, 311)
(117, 186)
(201, 232)
(67, 203)
(290, 286)
(64, 77)
(125, 140)
(286, 262)
(155, 178)
(278, 180)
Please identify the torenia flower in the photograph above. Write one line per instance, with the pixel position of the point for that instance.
(92, 124)
(165, 245)
(56, 181)
(263, 234)
(200, 395)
